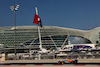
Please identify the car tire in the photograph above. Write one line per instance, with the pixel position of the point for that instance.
(75, 61)
(59, 62)
(62, 62)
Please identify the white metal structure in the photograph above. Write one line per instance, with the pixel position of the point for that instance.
(77, 47)
(42, 50)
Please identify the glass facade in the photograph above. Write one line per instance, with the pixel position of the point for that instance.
(28, 35)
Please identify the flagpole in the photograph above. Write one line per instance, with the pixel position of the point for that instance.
(36, 21)
(40, 41)
(39, 30)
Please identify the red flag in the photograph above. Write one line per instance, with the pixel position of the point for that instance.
(35, 19)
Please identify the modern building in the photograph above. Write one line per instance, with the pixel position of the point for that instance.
(51, 35)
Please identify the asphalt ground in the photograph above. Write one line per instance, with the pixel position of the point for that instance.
(33, 63)
(50, 61)
(48, 66)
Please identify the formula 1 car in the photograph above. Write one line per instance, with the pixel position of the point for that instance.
(68, 62)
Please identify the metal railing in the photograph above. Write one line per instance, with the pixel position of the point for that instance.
(53, 56)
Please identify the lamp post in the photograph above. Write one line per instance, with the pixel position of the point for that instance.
(14, 8)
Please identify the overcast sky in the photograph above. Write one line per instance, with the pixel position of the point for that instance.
(78, 14)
